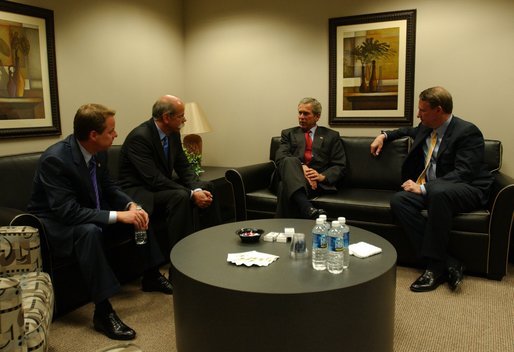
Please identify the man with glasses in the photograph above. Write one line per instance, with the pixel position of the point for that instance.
(150, 155)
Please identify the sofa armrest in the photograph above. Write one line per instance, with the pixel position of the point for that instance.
(248, 179)
(500, 225)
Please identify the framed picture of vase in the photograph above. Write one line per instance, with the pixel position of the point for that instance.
(371, 69)
(29, 104)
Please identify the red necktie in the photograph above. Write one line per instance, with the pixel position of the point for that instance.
(307, 156)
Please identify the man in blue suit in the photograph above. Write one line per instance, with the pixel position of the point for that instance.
(443, 173)
(310, 160)
(79, 206)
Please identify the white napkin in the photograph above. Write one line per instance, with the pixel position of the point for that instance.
(364, 250)
(251, 258)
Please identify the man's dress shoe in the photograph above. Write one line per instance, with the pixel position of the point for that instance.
(455, 276)
(428, 281)
(314, 213)
(159, 284)
(112, 326)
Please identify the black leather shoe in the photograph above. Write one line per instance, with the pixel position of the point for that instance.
(112, 326)
(455, 276)
(314, 213)
(427, 282)
(159, 284)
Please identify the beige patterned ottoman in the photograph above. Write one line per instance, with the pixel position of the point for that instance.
(26, 293)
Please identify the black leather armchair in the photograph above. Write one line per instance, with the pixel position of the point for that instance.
(480, 238)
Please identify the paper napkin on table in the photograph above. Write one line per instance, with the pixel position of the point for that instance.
(364, 250)
(251, 258)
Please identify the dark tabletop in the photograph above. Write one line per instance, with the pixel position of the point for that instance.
(202, 256)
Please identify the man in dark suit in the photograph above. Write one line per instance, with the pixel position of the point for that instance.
(310, 161)
(79, 206)
(443, 173)
(149, 156)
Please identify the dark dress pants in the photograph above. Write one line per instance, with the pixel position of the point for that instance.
(182, 216)
(291, 180)
(88, 247)
(430, 234)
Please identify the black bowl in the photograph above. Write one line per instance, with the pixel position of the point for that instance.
(249, 234)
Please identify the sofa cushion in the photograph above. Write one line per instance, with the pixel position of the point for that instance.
(364, 170)
(358, 204)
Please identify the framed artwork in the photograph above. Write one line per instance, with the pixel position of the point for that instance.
(29, 104)
(371, 69)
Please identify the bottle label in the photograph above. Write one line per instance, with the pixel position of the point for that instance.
(335, 244)
(319, 240)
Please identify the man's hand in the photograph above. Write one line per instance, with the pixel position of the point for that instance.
(138, 218)
(377, 144)
(411, 186)
(202, 198)
(313, 176)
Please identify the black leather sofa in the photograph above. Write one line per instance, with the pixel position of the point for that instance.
(480, 238)
(16, 174)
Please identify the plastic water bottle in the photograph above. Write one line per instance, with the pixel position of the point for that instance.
(319, 245)
(140, 235)
(335, 249)
(346, 241)
(327, 225)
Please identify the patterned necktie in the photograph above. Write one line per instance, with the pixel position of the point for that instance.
(307, 156)
(433, 141)
(165, 147)
(92, 174)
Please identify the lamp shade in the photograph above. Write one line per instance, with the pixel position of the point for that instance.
(196, 122)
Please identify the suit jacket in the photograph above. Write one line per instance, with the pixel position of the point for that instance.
(328, 156)
(460, 157)
(145, 170)
(63, 194)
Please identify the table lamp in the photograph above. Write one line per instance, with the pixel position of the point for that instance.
(196, 123)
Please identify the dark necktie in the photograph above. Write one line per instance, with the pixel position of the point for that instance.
(307, 156)
(165, 147)
(92, 174)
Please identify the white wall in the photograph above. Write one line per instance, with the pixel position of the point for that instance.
(248, 65)
(249, 62)
(121, 53)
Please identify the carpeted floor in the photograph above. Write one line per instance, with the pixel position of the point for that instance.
(479, 318)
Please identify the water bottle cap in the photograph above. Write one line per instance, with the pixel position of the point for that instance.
(335, 223)
(323, 216)
(320, 221)
(341, 219)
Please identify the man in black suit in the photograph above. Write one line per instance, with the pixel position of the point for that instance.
(79, 206)
(150, 154)
(443, 173)
(310, 161)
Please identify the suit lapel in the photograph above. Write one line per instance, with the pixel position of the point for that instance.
(157, 144)
(447, 138)
(80, 164)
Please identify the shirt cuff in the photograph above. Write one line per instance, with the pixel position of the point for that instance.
(113, 215)
(423, 190)
(193, 191)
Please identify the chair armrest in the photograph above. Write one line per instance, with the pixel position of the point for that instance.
(19, 250)
(248, 179)
(26, 219)
(500, 225)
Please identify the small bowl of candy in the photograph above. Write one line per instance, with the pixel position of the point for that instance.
(249, 234)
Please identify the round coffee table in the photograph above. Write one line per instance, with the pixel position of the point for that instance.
(286, 306)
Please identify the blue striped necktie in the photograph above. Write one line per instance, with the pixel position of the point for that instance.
(92, 174)
(165, 146)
